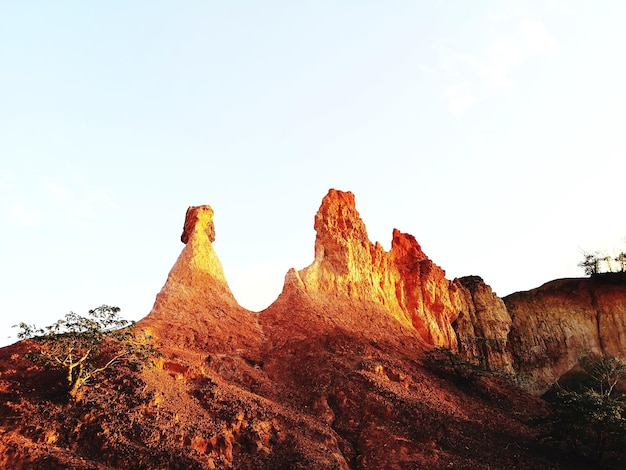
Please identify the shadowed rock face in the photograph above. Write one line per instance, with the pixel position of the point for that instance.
(483, 326)
(555, 324)
(330, 376)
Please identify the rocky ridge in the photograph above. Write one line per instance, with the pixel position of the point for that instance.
(331, 375)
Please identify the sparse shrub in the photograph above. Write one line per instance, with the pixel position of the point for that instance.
(86, 346)
(589, 411)
(620, 259)
(597, 262)
(591, 263)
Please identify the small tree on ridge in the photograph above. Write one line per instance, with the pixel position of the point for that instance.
(590, 263)
(85, 346)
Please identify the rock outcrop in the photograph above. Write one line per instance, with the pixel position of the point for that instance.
(402, 292)
(483, 325)
(333, 374)
(538, 335)
(553, 325)
(399, 297)
(196, 309)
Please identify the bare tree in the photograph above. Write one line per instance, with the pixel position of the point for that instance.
(608, 262)
(591, 262)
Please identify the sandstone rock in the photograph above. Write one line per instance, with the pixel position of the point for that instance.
(539, 335)
(402, 285)
(399, 298)
(331, 375)
(553, 325)
(195, 308)
(483, 325)
(198, 219)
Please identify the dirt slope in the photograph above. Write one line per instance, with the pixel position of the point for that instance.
(332, 375)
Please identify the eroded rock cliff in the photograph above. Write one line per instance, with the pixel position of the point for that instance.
(553, 325)
(399, 297)
(401, 288)
(332, 375)
(483, 325)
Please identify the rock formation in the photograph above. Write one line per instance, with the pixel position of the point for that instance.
(483, 325)
(540, 334)
(401, 288)
(196, 309)
(398, 297)
(553, 325)
(332, 375)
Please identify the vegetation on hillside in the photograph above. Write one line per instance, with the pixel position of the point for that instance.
(602, 262)
(589, 411)
(85, 346)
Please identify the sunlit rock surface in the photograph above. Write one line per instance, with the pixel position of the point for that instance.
(332, 375)
(196, 309)
(402, 285)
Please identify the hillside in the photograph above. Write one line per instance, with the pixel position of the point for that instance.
(335, 374)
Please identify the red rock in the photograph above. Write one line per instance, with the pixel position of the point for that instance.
(555, 324)
(196, 309)
(402, 284)
(331, 375)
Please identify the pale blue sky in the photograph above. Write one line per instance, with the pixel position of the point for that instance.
(493, 131)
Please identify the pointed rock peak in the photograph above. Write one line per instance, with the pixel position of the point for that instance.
(337, 224)
(196, 309)
(405, 248)
(198, 220)
(198, 266)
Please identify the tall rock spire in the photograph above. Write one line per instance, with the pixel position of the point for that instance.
(402, 284)
(196, 308)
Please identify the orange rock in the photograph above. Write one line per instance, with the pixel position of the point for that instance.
(196, 309)
(331, 375)
(400, 297)
(553, 325)
(402, 285)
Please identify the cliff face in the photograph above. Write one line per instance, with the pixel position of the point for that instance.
(538, 335)
(401, 285)
(398, 297)
(555, 324)
(483, 325)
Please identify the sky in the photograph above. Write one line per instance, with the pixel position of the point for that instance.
(492, 131)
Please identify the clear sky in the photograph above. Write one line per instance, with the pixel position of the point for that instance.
(493, 131)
